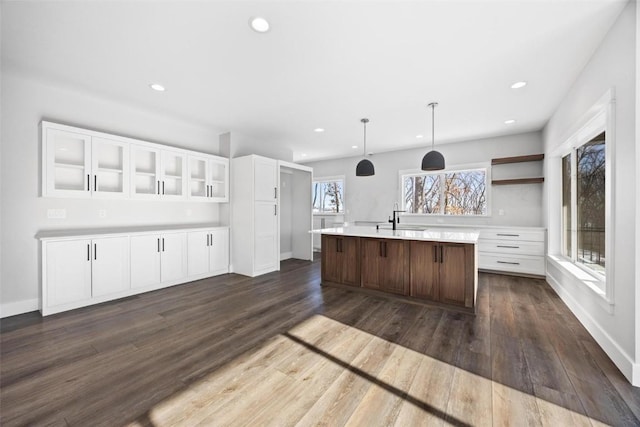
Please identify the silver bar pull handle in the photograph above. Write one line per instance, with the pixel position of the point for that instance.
(508, 246)
(507, 235)
(507, 262)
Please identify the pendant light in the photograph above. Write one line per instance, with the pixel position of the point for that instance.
(365, 167)
(433, 160)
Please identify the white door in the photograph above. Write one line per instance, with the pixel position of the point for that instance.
(198, 243)
(265, 179)
(145, 260)
(266, 257)
(198, 185)
(68, 164)
(174, 174)
(110, 167)
(145, 172)
(68, 272)
(219, 251)
(219, 179)
(173, 265)
(110, 268)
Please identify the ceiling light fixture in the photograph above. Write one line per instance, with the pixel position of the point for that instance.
(509, 122)
(518, 85)
(365, 167)
(318, 130)
(259, 24)
(354, 146)
(433, 160)
(158, 87)
(419, 136)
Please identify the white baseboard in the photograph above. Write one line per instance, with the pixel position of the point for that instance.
(286, 255)
(19, 307)
(619, 357)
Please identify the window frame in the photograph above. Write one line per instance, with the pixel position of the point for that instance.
(599, 118)
(485, 166)
(330, 179)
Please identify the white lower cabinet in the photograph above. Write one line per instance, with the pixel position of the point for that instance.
(208, 252)
(158, 258)
(512, 250)
(86, 269)
(77, 271)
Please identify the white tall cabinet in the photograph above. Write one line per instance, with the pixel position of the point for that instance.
(254, 218)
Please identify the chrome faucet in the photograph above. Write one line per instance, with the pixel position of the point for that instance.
(396, 218)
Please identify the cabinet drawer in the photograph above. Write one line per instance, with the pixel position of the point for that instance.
(513, 247)
(527, 264)
(512, 234)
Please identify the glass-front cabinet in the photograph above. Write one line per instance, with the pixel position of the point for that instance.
(145, 172)
(173, 174)
(219, 179)
(110, 164)
(198, 176)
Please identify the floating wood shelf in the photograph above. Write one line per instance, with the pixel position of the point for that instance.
(517, 159)
(517, 181)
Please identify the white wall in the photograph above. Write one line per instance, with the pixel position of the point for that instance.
(286, 213)
(612, 66)
(636, 374)
(25, 102)
(372, 198)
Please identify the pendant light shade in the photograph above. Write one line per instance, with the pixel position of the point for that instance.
(365, 167)
(433, 160)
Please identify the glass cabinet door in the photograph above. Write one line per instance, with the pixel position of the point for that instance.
(173, 175)
(145, 172)
(219, 179)
(198, 175)
(68, 164)
(110, 167)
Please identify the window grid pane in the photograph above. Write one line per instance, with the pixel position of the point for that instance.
(566, 206)
(328, 197)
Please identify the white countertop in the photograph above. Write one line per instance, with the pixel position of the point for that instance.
(111, 231)
(439, 235)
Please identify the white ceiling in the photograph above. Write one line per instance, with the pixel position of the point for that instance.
(323, 64)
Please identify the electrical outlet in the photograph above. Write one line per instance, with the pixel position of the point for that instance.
(102, 213)
(56, 213)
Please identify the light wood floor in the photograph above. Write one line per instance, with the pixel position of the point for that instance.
(282, 350)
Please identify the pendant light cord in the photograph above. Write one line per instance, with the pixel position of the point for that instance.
(364, 122)
(433, 124)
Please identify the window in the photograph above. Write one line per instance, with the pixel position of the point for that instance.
(584, 201)
(459, 192)
(328, 196)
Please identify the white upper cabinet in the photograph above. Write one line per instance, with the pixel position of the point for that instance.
(83, 163)
(265, 175)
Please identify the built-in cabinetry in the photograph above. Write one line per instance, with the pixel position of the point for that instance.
(84, 163)
(384, 265)
(512, 250)
(441, 272)
(340, 259)
(81, 268)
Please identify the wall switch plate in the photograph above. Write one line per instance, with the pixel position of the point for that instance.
(56, 213)
(102, 213)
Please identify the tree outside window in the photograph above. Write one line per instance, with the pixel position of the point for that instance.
(328, 196)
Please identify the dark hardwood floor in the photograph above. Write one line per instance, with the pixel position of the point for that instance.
(282, 350)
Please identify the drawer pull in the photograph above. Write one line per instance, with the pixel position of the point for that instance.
(507, 262)
(508, 246)
(507, 235)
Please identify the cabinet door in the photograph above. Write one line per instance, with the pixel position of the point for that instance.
(145, 260)
(145, 172)
(173, 175)
(110, 265)
(349, 264)
(265, 176)
(219, 179)
(110, 167)
(456, 264)
(68, 272)
(266, 257)
(393, 266)
(67, 164)
(371, 263)
(173, 263)
(331, 263)
(424, 269)
(219, 251)
(197, 252)
(198, 185)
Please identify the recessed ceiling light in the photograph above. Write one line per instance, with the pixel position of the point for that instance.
(419, 136)
(158, 87)
(354, 146)
(509, 122)
(304, 154)
(259, 24)
(319, 130)
(518, 85)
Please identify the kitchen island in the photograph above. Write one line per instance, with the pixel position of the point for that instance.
(434, 266)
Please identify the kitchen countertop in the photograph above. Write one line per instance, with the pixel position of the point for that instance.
(439, 235)
(111, 231)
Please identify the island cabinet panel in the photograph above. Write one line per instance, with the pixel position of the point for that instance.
(385, 265)
(340, 256)
(443, 272)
